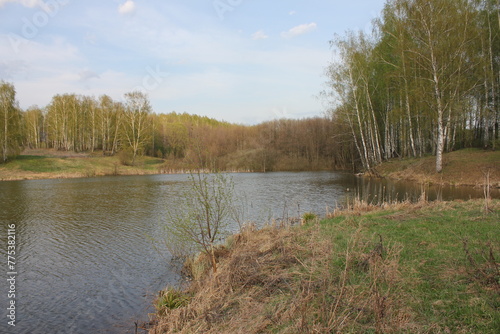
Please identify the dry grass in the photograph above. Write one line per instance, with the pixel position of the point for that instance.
(464, 167)
(392, 268)
(357, 206)
(484, 265)
(292, 280)
(53, 164)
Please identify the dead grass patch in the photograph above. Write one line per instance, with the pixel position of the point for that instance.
(484, 265)
(295, 280)
(358, 207)
(352, 274)
(461, 168)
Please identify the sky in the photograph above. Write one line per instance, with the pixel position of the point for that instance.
(241, 61)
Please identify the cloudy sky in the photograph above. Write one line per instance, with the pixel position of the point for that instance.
(243, 61)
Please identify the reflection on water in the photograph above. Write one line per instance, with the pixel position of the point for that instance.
(86, 261)
(382, 190)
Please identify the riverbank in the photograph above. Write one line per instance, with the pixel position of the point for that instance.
(53, 164)
(461, 168)
(468, 167)
(372, 269)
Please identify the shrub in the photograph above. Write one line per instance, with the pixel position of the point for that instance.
(126, 157)
(308, 217)
(170, 299)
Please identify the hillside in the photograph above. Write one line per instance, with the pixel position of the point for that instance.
(467, 167)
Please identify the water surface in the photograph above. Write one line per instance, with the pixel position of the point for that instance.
(86, 257)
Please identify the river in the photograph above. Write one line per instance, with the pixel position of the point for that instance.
(87, 255)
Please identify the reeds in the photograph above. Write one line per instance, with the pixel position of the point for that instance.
(358, 206)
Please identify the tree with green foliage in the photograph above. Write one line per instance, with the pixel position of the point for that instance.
(426, 81)
(111, 113)
(33, 127)
(10, 122)
(136, 125)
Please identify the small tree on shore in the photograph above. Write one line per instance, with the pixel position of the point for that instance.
(200, 219)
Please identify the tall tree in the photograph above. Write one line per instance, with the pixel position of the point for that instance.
(136, 122)
(10, 122)
(427, 83)
(34, 127)
(111, 113)
(440, 31)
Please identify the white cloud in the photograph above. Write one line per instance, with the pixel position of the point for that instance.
(292, 12)
(299, 30)
(40, 91)
(128, 7)
(55, 52)
(26, 3)
(259, 35)
(41, 71)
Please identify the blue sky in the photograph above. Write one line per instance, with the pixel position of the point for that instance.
(243, 61)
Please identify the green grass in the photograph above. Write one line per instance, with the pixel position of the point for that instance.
(37, 164)
(170, 298)
(408, 268)
(446, 285)
(54, 166)
(30, 157)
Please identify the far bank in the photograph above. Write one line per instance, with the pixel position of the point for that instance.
(467, 167)
(35, 164)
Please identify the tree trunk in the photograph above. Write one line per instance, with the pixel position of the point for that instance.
(5, 133)
(408, 112)
(365, 158)
(212, 258)
(440, 142)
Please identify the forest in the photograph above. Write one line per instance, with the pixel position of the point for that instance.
(425, 81)
(85, 124)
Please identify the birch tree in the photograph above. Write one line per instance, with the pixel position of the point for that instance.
(10, 122)
(34, 129)
(439, 29)
(427, 83)
(136, 122)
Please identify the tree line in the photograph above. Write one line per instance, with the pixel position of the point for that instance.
(130, 128)
(426, 81)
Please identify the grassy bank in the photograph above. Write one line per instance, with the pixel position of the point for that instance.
(51, 164)
(461, 168)
(421, 268)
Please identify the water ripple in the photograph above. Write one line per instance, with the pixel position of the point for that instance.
(86, 260)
